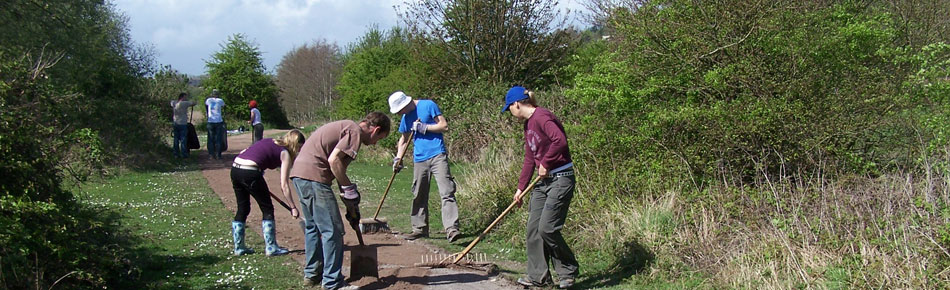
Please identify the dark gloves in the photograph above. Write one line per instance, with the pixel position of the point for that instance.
(351, 200)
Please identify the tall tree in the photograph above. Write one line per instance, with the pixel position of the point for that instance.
(498, 40)
(306, 78)
(238, 73)
(70, 98)
(376, 66)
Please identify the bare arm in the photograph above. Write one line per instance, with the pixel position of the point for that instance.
(440, 126)
(401, 145)
(286, 163)
(338, 166)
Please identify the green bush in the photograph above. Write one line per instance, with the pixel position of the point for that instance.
(46, 235)
(375, 67)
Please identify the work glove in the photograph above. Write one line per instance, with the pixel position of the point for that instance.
(351, 200)
(419, 127)
(397, 164)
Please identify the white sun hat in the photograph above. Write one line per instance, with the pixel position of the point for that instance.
(397, 101)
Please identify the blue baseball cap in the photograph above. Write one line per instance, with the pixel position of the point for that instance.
(515, 93)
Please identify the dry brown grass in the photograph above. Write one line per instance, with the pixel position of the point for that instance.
(889, 231)
(853, 233)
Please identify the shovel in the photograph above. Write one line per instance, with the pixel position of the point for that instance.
(377, 224)
(363, 258)
(302, 226)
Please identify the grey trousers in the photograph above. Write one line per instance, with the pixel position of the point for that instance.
(422, 172)
(550, 200)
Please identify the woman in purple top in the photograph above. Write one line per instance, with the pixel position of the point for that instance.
(247, 177)
(545, 149)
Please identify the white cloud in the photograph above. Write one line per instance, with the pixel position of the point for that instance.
(185, 33)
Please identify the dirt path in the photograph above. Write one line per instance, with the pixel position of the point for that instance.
(396, 256)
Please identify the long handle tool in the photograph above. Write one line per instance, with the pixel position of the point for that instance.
(492, 225)
(281, 202)
(376, 224)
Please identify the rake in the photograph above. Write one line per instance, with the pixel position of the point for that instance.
(302, 226)
(457, 258)
(377, 224)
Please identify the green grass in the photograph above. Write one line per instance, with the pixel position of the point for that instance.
(186, 234)
(185, 231)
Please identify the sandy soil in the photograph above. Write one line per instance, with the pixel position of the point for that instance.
(396, 256)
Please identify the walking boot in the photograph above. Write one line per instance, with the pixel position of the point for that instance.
(237, 230)
(270, 239)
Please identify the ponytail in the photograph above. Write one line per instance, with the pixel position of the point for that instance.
(530, 100)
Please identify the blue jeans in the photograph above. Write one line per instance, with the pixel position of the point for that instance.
(215, 133)
(324, 233)
(180, 141)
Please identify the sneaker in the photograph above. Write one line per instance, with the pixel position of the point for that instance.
(453, 236)
(526, 282)
(415, 235)
(566, 283)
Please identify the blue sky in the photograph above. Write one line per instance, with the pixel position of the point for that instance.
(185, 33)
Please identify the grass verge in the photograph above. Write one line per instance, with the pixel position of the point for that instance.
(185, 234)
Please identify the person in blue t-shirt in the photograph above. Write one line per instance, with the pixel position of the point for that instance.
(424, 119)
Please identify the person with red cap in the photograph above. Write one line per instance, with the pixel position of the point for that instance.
(256, 123)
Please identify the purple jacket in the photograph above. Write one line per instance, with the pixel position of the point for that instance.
(545, 145)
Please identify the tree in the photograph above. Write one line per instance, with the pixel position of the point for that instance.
(167, 83)
(306, 78)
(502, 41)
(376, 66)
(237, 72)
(71, 99)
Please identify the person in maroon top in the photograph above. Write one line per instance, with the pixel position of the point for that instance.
(247, 178)
(545, 150)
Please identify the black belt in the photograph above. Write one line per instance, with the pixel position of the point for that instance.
(564, 173)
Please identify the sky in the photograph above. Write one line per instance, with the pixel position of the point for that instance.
(186, 33)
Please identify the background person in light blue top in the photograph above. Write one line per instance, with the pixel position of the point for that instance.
(424, 118)
(215, 111)
(255, 121)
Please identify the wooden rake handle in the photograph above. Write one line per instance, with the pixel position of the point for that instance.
(279, 200)
(498, 219)
(393, 177)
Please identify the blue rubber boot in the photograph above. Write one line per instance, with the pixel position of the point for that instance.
(270, 239)
(237, 230)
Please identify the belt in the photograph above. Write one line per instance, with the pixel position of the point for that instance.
(564, 173)
(245, 167)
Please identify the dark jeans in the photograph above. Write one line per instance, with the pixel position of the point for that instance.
(249, 183)
(215, 141)
(180, 140)
(550, 200)
(258, 133)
